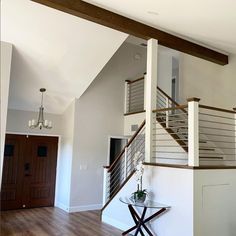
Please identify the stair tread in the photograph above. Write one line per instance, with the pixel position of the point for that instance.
(211, 157)
(201, 141)
(207, 149)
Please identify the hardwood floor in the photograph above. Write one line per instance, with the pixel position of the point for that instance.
(53, 221)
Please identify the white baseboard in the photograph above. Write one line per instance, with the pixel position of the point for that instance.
(115, 223)
(62, 206)
(85, 208)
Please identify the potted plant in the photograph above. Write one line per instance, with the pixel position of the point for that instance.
(140, 194)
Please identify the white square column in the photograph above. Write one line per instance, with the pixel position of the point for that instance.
(193, 131)
(150, 96)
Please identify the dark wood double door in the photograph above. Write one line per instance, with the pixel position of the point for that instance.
(29, 171)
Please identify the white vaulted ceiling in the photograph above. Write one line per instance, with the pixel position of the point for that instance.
(64, 53)
(55, 50)
(212, 22)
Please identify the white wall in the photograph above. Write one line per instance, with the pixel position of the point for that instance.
(203, 202)
(64, 163)
(99, 114)
(215, 202)
(171, 186)
(164, 71)
(214, 84)
(129, 120)
(6, 55)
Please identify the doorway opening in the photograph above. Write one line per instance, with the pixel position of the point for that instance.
(175, 79)
(115, 146)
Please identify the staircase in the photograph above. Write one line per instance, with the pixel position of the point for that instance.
(216, 142)
(174, 119)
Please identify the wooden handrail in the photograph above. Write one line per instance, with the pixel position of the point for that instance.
(193, 99)
(106, 167)
(167, 96)
(133, 113)
(173, 101)
(133, 81)
(217, 109)
(179, 107)
(127, 145)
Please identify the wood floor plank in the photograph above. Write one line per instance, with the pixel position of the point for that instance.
(50, 221)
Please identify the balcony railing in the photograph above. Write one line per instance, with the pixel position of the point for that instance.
(134, 96)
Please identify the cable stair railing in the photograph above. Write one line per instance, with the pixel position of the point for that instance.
(121, 170)
(170, 115)
(174, 118)
(173, 139)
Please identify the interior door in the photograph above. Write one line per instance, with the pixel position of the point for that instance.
(36, 168)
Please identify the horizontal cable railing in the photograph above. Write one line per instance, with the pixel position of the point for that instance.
(170, 144)
(134, 96)
(123, 166)
(170, 135)
(217, 131)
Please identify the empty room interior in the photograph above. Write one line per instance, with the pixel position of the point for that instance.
(118, 118)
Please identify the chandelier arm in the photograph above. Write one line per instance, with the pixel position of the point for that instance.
(41, 123)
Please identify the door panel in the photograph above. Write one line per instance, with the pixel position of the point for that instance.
(11, 191)
(29, 171)
(43, 168)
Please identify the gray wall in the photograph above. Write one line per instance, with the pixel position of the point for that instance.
(64, 164)
(98, 114)
(214, 84)
(164, 70)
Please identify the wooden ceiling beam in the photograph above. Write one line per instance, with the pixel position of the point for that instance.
(118, 22)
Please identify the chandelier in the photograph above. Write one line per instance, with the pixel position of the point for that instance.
(41, 123)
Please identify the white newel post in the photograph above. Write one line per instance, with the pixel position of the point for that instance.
(126, 105)
(193, 131)
(150, 96)
(105, 183)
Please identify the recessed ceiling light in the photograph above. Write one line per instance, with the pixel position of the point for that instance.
(153, 13)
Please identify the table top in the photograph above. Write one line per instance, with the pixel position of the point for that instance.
(147, 203)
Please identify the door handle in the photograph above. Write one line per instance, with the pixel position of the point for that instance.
(27, 166)
(27, 169)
